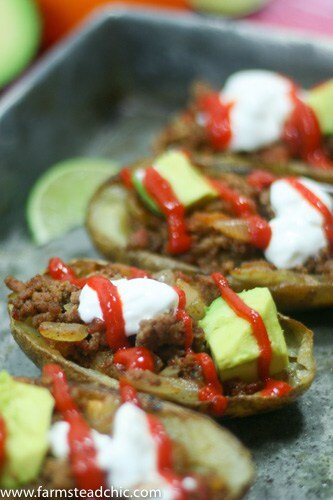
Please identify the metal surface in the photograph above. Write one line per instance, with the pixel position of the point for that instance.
(105, 92)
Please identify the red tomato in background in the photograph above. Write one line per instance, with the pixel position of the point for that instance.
(60, 16)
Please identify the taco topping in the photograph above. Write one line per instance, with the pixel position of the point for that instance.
(134, 357)
(259, 103)
(256, 109)
(25, 417)
(132, 301)
(161, 192)
(139, 451)
(241, 332)
(82, 451)
(303, 136)
(303, 222)
(212, 391)
(218, 319)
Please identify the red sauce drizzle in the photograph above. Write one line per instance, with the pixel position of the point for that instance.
(241, 205)
(82, 452)
(258, 327)
(275, 388)
(303, 135)
(163, 442)
(138, 273)
(127, 393)
(135, 357)
(316, 202)
(162, 193)
(58, 270)
(212, 391)
(260, 179)
(108, 297)
(3, 434)
(126, 177)
(182, 315)
(112, 310)
(164, 456)
(259, 229)
(217, 120)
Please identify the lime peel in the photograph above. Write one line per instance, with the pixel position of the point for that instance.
(57, 203)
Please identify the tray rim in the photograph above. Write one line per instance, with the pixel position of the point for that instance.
(54, 56)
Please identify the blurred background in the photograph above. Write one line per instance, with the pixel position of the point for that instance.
(30, 27)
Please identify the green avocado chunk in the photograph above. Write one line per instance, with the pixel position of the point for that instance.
(27, 412)
(320, 99)
(20, 29)
(232, 343)
(188, 184)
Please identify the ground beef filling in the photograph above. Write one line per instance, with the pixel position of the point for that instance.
(44, 299)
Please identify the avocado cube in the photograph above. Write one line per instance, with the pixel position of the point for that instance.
(231, 340)
(187, 183)
(27, 411)
(320, 99)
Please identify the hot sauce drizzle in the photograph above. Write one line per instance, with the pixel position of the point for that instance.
(112, 310)
(303, 135)
(182, 315)
(164, 456)
(108, 297)
(138, 273)
(272, 387)
(276, 388)
(3, 434)
(260, 179)
(240, 204)
(217, 120)
(259, 229)
(58, 270)
(135, 357)
(162, 441)
(316, 202)
(82, 452)
(213, 390)
(255, 320)
(127, 393)
(162, 193)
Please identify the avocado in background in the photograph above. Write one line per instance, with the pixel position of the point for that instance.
(187, 183)
(27, 411)
(320, 99)
(232, 343)
(20, 30)
(228, 7)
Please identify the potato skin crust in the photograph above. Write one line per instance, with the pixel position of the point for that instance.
(185, 392)
(219, 457)
(294, 290)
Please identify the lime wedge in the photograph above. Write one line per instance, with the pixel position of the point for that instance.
(57, 203)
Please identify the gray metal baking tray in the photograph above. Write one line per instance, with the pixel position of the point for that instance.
(105, 92)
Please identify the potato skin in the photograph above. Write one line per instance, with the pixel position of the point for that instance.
(308, 292)
(185, 392)
(219, 457)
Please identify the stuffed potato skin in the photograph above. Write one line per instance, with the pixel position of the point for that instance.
(219, 458)
(172, 388)
(109, 223)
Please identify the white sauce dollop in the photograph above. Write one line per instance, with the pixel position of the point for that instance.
(297, 229)
(129, 457)
(261, 104)
(142, 299)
